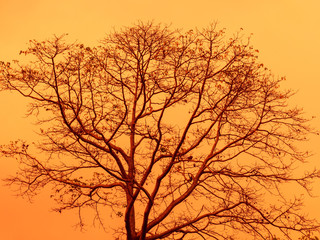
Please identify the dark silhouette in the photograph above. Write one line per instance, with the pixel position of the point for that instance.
(185, 135)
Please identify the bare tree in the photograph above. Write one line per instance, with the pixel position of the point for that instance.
(183, 134)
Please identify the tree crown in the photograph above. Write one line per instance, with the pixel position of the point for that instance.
(183, 134)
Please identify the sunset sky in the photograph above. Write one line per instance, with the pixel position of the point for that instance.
(286, 32)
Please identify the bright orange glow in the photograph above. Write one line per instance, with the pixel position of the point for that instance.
(286, 33)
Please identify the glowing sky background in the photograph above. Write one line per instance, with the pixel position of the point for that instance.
(286, 32)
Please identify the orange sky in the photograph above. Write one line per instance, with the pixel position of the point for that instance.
(286, 32)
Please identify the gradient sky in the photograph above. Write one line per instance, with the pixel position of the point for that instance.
(286, 32)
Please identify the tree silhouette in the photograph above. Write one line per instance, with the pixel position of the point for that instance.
(185, 135)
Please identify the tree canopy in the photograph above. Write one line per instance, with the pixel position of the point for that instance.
(183, 134)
